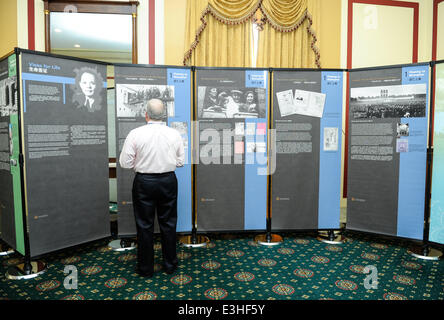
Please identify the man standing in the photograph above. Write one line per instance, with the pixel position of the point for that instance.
(154, 151)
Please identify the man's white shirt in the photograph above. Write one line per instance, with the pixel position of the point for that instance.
(152, 148)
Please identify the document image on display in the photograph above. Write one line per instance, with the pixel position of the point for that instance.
(309, 103)
(285, 102)
(402, 145)
(226, 102)
(8, 97)
(400, 101)
(303, 102)
(131, 99)
(330, 139)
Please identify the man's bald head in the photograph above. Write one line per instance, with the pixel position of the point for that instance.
(155, 109)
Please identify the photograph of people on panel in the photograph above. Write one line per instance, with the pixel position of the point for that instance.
(231, 102)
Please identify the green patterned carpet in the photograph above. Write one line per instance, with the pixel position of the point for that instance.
(236, 268)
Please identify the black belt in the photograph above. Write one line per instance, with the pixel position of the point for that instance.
(155, 174)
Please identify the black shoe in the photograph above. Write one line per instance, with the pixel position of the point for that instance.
(170, 271)
(144, 274)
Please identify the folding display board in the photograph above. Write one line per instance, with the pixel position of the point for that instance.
(436, 231)
(388, 110)
(11, 219)
(60, 125)
(307, 124)
(134, 86)
(231, 144)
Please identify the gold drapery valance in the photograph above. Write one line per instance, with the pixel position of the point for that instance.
(232, 11)
(282, 15)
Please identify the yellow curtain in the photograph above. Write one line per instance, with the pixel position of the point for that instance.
(219, 32)
(288, 39)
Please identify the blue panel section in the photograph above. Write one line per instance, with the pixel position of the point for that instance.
(181, 80)
(436, 233)
(255, 174)
(255, 149)
(48, 78)
(412, 164)
(24, 95)
(330, 154)
(256, 79)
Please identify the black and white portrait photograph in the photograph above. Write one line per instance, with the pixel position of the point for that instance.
(8, 97)
(88, 89)
(224, 102)
(131, 99)
(400, 101)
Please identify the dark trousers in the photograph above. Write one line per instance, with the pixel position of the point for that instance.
(151, 193)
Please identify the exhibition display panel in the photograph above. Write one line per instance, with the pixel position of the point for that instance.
(307, 124)
(388, 121)
(436, 231)
(135, 85)
(58, 152)
(11, 224)
(262, 149)
(231, 148)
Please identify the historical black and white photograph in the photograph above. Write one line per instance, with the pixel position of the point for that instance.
(231, 102)
(400, 101)
(182, 128)
(8, 97)
(331, 139)
(131, 99)
(402, 130)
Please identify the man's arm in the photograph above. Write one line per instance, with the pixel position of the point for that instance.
(128, 154)
(180, 153)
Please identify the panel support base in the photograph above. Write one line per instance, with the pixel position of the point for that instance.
(331, 237)
(24, 271)
(194, 241)
(268, 239)
(425, 253)
(122, 244)
(5, 250)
